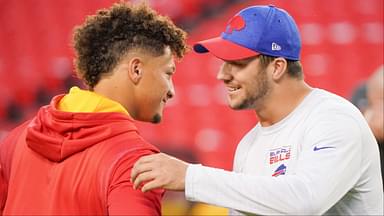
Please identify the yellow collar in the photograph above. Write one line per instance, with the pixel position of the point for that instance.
(78, 100)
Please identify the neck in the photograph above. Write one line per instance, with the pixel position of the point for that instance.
(117, 90)
(281, 101)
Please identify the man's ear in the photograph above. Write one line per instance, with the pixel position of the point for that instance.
(279, 67)
(135, 70)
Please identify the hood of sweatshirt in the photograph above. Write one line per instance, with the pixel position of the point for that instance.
(56, 134)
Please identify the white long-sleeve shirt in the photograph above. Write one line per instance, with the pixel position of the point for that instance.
(320, 159)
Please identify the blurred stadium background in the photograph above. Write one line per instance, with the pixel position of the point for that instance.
(342, 46)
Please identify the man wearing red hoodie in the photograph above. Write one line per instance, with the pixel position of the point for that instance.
(75, 157)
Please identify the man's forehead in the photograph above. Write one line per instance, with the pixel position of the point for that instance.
(244, 61)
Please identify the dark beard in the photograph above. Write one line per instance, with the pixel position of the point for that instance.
(256, 99)
(156, 119)
(381, 143)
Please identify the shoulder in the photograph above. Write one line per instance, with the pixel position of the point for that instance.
(133, 143)
(123, 155)
(9, 141)
(248, 138)
(250, 135)
(116, 157)
(332, 114)
(332, 101)
(8, 146)
(120, 153)
(17, 130)
(330, 107)
(125, 149)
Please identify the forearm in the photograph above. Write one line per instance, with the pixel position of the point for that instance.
(253, 194)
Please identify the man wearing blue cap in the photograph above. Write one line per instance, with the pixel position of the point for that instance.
(312, 152)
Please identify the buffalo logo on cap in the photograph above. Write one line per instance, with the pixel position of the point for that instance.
(236, 23)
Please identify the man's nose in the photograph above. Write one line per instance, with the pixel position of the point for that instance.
(171, 93)
(224, 72)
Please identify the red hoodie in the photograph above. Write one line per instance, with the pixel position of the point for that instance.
(74, 164)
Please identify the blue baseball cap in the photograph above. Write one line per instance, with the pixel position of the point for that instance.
(255, 30)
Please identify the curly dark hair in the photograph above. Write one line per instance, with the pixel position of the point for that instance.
(107, 36)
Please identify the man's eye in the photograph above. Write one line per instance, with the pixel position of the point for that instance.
(238, 64)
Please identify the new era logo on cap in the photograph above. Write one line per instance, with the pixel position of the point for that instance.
(275, 46)
(256, 30)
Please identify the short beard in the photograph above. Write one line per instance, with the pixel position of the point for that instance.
(156, 119)
(256, 100)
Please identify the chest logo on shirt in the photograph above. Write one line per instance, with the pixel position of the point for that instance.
(280, 170)
(279, 154)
